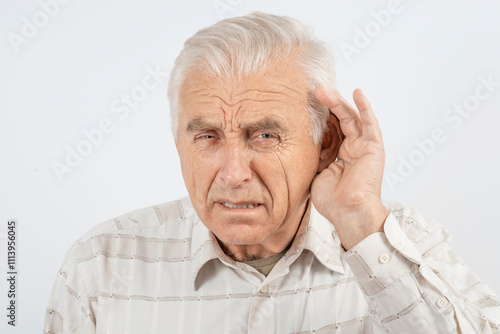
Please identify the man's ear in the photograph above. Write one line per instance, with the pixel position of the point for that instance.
(332, 139)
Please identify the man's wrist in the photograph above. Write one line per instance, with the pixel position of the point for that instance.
(352, 228)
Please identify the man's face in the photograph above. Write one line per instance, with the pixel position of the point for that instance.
(246, 154)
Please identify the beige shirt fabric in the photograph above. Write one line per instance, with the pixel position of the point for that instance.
(160, 270)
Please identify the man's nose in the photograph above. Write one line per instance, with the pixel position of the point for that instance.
(235, 169)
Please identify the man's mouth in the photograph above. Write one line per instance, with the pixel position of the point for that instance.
(240, 206)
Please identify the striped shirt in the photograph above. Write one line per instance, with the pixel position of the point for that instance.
(160, 270)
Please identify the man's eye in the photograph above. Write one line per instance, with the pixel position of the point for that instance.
(264, 140)
(205, 136)
(266, 136)
(206, 140)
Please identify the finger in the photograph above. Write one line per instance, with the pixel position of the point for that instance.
(335, 101)
(370, 126)
(349, 118)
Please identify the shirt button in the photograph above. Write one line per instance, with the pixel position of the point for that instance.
(442, 302)
(384, 258)
(264, 289)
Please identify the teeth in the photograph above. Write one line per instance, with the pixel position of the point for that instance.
(239, 206)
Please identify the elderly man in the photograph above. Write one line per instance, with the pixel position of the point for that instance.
(283, 230)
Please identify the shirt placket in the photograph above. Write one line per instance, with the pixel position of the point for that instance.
(262, 316)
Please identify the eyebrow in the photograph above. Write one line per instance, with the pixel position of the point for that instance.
(266, 124)
(198, 124)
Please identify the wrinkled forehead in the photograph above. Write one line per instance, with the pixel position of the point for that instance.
(275, 87)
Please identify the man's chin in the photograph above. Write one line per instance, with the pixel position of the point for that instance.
(237, 238)
(241, 235)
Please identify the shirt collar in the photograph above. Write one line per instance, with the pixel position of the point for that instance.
(321, 239)
(315, 234)
(204, 248)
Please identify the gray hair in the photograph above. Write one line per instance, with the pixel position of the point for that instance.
(245, 45)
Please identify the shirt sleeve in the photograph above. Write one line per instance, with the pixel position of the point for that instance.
(415, 283)
(69, 309)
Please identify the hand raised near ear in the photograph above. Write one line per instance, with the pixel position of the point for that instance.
(347, 192)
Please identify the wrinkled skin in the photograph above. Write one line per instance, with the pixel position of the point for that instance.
(248, 160)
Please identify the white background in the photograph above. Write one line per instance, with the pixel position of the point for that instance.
(65, 78)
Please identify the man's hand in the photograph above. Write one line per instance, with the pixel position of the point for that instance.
(347, 193)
